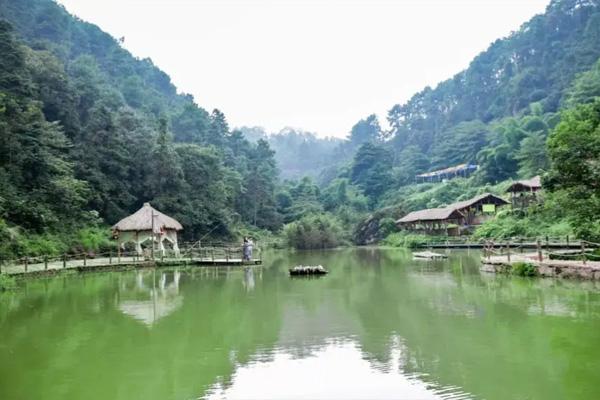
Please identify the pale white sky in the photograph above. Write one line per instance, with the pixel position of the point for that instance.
(315, 65)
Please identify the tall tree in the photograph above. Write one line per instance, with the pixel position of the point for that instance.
(371, 170)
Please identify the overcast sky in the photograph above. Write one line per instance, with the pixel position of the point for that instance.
(315, 65)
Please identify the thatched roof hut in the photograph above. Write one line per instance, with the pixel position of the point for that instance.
(137, 229)
(141, 220)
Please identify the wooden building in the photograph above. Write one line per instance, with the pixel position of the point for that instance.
(479, 209)
(432, 221)
(525, 192)
(462, 170)
(454, 219)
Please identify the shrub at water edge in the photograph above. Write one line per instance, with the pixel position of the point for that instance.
(524, 269)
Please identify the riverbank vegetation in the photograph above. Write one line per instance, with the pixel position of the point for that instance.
(90, 132)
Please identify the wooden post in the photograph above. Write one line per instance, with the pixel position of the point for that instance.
(567, 241)
(227, 254)
(110, 257)
(547, 243)
(539, 250)
(45, 263)
(212, 254)
(508, 251)
(64, 261)
(26, 263)
(521, 245)
(84, 259)
(583, 252)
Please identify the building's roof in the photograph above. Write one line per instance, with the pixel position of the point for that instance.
(491, 198)
(451, 170)
(431, 214)
(526, 185)
(449, 212)
(141, 220)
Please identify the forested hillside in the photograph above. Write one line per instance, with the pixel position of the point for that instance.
(89, 133)
(498, 113)
(299, 153)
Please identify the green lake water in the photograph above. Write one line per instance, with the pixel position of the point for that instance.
(380, 325)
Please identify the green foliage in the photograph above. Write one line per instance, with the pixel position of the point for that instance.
(299, 153)
(374, 227)
(585, 88)
(523, 269)
(574, 150)
(532, 155)
(535, 223)
(319, 231)
(432, 195)
(120, 135)
(406, 240)
(93, 239)
(365, 131)
(371, 170)
(7, 282)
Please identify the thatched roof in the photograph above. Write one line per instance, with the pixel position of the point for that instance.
(141, 220)
(431, 214)
(526, 185)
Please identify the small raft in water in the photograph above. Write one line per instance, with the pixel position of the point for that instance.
(428, 255)
(308, 270)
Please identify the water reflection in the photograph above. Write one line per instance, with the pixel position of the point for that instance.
(314, 377)
(248, 279)
(148, 301)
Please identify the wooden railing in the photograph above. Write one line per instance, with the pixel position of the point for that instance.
(523, 242)
(222, 252)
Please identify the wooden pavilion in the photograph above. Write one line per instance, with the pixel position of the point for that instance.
(148, 224)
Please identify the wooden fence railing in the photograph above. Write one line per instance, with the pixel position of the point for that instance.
(527, 242)
(216, 251)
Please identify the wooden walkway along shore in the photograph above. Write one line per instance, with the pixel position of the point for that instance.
(206, 256)
(546, 268)
(547, 242)
(547, 263)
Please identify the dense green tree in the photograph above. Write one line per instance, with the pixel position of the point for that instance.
(574, 151)
(532, 156)
(365, 130)
(35, 170)
(585, 88)
(371, 170)
(218, 129)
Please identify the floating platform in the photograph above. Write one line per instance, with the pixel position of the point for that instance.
(428, 255)
(308, 270)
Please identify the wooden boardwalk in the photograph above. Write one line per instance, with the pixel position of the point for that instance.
(54, 266)
(482, 245)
